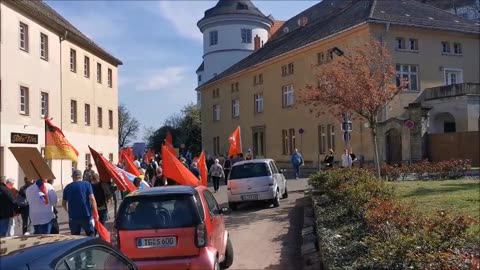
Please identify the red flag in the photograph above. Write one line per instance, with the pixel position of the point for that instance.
(107, 171)
(202, 167)
(129, 166)
(56, 145)
(175, 170)
(148, 155)
(169, 139)
(235, 143)
(129, 153)
(170, 149)
(102, 231)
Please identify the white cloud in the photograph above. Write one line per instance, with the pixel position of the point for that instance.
(161, 79)
(184, 15)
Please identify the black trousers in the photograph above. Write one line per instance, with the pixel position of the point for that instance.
(25, 213)
(227, 173)
(216, 182)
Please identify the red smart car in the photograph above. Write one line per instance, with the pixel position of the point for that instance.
(176, 227)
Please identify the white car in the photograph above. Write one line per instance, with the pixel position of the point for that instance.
(256, 180)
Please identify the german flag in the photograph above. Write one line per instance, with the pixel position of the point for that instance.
(56, 145)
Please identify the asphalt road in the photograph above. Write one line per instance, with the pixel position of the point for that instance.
(263, 238)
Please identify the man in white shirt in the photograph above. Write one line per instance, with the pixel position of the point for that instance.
(346, 159)
(41, 197)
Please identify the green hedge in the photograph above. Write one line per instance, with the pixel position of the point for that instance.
(362, 226)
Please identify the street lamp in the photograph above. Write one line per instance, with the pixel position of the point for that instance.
(339, 52)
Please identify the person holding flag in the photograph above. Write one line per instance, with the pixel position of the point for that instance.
(102, 195)
(42, 198)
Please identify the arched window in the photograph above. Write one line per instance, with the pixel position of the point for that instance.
(242, 6)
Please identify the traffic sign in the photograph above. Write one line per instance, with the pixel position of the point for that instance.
(301, 131)
(410, 124)
(347, 136)
(347, 126)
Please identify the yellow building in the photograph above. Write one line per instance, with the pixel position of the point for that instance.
(429, 46)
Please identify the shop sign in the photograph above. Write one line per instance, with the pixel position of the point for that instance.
(24, 138)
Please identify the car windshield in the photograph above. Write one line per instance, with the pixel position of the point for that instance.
(158, 212)
(249, 170)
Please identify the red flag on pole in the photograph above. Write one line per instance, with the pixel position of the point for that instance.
(129, 166)
(235, 143)
(102, 231)
(175, 170)
(148, 155)
(202, 167)
(107, 171)
(169, 139)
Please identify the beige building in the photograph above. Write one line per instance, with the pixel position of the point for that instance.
(49, 68)
(429, 46)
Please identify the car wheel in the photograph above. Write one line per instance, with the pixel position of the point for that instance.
(233, 206)
(276, 200)
(285, 195)
(228, 255)
(216, 265)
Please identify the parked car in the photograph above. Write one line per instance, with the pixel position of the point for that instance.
(60, 252)
(256, 180)
(174, 227)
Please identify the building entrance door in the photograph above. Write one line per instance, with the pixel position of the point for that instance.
(258, 140)
(393, 146)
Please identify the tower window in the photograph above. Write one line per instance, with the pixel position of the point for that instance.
(246, 35)
(242, 6)
(213, 38)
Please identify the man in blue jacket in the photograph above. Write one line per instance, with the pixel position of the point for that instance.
(297, 161)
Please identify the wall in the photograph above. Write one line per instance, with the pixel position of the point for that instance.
(459, 145)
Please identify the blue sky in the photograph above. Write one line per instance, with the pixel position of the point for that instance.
(159, 44)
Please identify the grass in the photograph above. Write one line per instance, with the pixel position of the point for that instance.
(456, 196)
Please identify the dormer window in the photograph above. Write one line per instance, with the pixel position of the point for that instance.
(242, 6)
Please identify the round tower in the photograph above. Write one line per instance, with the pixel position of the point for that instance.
(232, 30)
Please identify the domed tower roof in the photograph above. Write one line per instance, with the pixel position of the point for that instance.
(225, 7)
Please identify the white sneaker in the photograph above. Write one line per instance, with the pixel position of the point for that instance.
(27, 233)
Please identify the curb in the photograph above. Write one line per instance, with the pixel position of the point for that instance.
(310, 249)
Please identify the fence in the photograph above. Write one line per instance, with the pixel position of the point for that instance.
(458, 145)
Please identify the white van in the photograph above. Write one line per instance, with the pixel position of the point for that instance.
(256, 180)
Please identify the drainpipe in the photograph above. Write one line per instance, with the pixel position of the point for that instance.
(62, 38)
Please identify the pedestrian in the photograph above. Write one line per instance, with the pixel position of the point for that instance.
(297, 161)
(184, 162)
(88, 173)
(195, 170)
(137, 163)
(41, 197)
(137, 182)
(221, 160)
(55, 227)
(159, 180)
(79, 202)
(227, 165)
(7, 208)
(329, 159)
(216, 172)
(102, 194)
(23, 205)
(249, 155)
(346, 159)
(353, 156)
(151, 168)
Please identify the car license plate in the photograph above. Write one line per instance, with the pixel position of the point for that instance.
(250, 197)
(157, 242)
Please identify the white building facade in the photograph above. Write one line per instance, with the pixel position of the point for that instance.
(40, 77)
(232, 30)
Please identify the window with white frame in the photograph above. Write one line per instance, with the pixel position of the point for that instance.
(216, 112)
(109, 78)
(86, 67)
(88, 160)
(258, 102)
(73, 60)
(453, 76)
(322, 139)
(290, 68)
(320, 58)
(73, 111)
(413, 44)
(44, 46)
(24, 100)
(23, 36)
(331, 137)
(284, 142)
(99, 73)
(445, 47)
(213, 37)
(44, 104)
(400, 43)
(87, 114)
(457, 48)
(246, 35)
(288, 98)
(110, 119)
(408, 73)
(110, 157)
(236, 108)
(99, 117)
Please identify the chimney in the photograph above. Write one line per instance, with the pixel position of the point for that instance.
(256, 43)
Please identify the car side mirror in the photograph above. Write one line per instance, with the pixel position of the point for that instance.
(225, 211)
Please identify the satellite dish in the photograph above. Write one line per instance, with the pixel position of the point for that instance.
(302, 21)
(286, 30)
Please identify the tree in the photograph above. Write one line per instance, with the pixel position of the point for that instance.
(361, 83)
(128, 126)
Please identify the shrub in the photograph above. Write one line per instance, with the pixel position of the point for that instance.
(426, 170)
